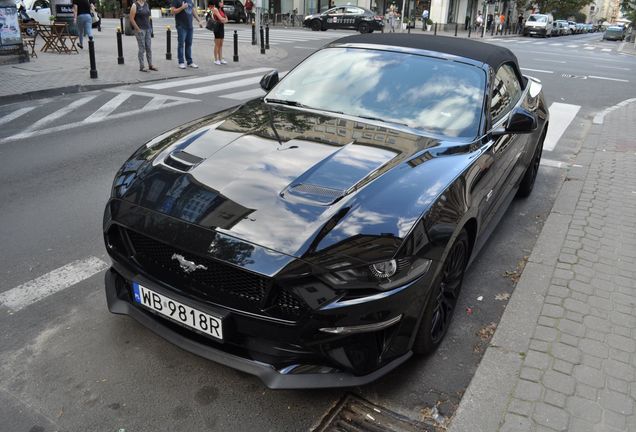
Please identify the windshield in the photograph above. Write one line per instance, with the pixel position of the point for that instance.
(538, 18)
(440, 96)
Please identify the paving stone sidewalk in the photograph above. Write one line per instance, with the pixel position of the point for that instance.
(564, 354)
(52, 73)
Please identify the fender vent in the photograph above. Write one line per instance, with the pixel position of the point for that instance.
(316, 193)
(182, 161)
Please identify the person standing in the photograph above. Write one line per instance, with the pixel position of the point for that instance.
(249, 5)
(83, 20)
(424, 19)
(502, 20)
(139, 19)
(479, 21)
(392, 16)
(218, 15)
(183, 11)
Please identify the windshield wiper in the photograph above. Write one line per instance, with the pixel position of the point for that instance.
(285, 102)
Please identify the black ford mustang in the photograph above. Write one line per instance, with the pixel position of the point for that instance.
(345, 17)
(318, 236)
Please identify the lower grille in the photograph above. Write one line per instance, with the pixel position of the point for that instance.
(214, 282)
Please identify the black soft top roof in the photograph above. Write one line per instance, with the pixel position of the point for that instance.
(492, 55)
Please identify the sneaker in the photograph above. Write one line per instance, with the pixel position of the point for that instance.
(223, 62)
(193, 66)
(80, 46)
(217, 62)
(182, 66)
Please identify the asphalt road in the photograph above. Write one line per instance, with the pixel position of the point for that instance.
(67, 364)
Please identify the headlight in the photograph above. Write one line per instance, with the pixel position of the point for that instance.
(383, 275)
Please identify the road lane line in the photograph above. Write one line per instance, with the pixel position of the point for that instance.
(552, 61)
(302, 47)
(537, 70)
(608, 79)
(243, 95)
(205, 79)
(106, 109)
(561, 115)
(15, 114)
(57, 280)
(58, 114)
(606, 49)
(571, 46)
(613, 67)
(589, 48)
(223, 86)
(552, 163)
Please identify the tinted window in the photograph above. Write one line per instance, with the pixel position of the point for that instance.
(506, 92)
(354, 11)
(441, 96)
(538, 18)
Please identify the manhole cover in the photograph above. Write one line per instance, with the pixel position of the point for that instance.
(354, 414)
(574, 76)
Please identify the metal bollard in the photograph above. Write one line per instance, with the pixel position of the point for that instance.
(235, 46)
(262, 41)
(492, 28)
(470, 28)
(91, 56)
(456, 25)
(168, 53)
(408, 28)
(435, 29)
(253, 33)
(266, 36)
(120, 51)
(121, 22)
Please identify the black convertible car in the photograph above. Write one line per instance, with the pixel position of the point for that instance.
(318, 236)
(345, 17)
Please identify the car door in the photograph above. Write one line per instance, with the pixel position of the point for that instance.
(335, 18)
(41, 11)
(504, 150)
(352, 16)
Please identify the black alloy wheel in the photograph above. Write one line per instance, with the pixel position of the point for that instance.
(316, 25)
(441, 304)
(363, 28)
(527, 182)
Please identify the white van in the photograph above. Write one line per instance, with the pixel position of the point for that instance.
(538, 24)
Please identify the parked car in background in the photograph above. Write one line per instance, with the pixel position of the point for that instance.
(345, 17)
(318, 236)
(614, 33)
(558, 29)
(38, 10)
(538, 24)
(234, 10)
(563, 27)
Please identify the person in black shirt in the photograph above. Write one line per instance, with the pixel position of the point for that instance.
(140, 21)
(83, 20)
(183, 11)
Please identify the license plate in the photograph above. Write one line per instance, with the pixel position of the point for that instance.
(178, 312)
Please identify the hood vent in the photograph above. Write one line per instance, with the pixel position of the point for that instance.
(320, 194)
(182, 161)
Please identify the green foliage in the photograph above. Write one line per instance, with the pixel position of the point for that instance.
(562, 8)
(629, 9)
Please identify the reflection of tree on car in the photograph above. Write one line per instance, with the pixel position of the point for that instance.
(345, 17)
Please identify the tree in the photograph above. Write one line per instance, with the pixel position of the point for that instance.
(561, 8)
(629, 9)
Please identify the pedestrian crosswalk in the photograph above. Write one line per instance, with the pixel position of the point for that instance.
(525, 41)
(276, 36)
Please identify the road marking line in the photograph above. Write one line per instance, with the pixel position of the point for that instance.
(552, 163)
(57, 280)
(606, 49)
(552, 61)
(302, 47)
(247, 94)
(613, 67)
(556, 44)
(525, 42)
(571, 46)
(561, 115)
(58, 114)
(209, 78)
(537, 70)
(15, 114)
(608, 79)
(106, 109)
(589, 48)
(225, 86)
(600, 117)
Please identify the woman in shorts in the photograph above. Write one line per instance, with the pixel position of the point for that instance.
(219, 33)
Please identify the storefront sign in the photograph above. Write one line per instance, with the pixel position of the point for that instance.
(9, 27)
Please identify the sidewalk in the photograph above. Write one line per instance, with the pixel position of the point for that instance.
(50, 73)
(564, 354)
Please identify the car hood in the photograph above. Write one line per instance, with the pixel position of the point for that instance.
(287, 180)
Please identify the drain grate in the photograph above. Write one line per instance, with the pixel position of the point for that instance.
(354, 414)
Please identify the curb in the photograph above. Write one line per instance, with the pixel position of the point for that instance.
(485, 402)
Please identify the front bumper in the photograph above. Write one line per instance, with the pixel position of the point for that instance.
(535, 31)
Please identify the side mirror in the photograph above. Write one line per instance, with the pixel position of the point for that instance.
(520, 121)
(269, 80)
(37, 8)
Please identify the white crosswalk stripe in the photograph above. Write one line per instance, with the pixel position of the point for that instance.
(276, 37)
(586, 46)
(561, 115)
(589, 48)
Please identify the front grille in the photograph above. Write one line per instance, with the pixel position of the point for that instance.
(218, 283)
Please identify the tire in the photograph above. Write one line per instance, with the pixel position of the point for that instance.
(527, 182)
(316, 25)
(363, 28)
(439, 308)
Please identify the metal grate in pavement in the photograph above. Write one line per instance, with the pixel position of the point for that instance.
(354, 414)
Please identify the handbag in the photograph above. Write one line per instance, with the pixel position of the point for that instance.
(211, 24)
